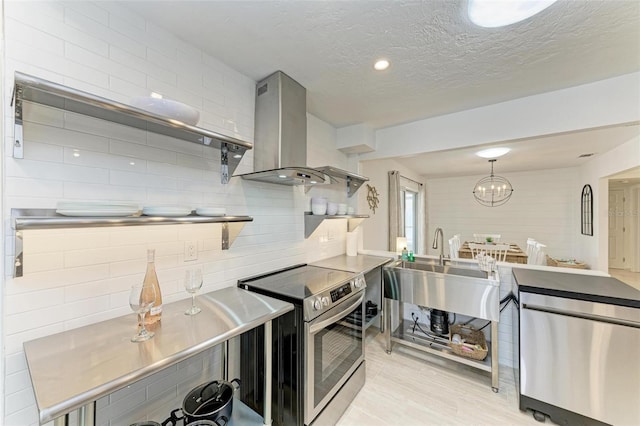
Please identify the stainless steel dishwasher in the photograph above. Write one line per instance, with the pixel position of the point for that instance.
(579, 360)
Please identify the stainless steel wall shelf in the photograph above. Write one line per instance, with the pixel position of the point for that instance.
(312, 221)
(352, 180)
(28, 219)
(34, 89)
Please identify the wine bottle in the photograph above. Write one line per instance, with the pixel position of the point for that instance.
(151, 278)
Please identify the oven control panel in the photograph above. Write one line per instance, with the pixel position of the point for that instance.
(325, 300)
(340, 292)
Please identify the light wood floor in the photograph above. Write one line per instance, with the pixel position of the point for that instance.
(631, 278)
(410, 388)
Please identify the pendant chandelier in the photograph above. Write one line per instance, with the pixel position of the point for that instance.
(492, 191)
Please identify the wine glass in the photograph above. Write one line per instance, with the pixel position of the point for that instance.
(141, 299)
(193, 283)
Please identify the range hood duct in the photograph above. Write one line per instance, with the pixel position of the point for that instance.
(280, 142)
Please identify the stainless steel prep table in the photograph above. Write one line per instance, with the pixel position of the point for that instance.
(101, 358)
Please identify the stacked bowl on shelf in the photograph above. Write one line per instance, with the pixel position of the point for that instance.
(319, 205)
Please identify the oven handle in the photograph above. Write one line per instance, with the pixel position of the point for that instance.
(314, 328)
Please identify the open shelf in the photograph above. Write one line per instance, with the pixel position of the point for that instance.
(29, 219)
(34, 89)
(404, 336)
(312, 221)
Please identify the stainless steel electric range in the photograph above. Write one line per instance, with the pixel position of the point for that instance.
(318, 348)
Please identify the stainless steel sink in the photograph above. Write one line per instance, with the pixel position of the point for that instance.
(450, 288)
(442, 269)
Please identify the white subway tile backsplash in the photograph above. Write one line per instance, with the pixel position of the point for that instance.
(33, 187)
(90, 10)
(15, 363)
(35, 37)
(37, 151)
(128, 89)
(143, 65)
(88, 191)
(152, 155)
(56, 171)
(17, 401)
(63, 137)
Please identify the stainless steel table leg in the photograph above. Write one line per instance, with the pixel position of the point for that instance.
(268, 366)
(495, 376)
(87, 415)
(225, 360)
(387, 330)
(61, 421)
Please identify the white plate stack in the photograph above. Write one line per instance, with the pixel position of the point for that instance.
(166, 211)
(96, 208)
(211, 211)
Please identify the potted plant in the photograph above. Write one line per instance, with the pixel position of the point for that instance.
(489, 240)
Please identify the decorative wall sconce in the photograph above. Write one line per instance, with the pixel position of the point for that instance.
(372, 197)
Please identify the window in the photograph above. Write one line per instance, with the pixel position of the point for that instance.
(410, 212)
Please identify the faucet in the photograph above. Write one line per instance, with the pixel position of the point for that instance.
(435, 244)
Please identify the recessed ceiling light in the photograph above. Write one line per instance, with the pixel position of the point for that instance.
(498, 13)
(493, 152)
(282, 176)
(313, 182)
(381, 64)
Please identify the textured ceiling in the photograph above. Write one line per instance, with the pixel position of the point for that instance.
(440, 62)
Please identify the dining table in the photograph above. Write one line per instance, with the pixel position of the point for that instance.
(514, 255)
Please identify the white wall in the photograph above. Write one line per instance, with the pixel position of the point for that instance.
(544, 206)
(80, 276)
(624, 157)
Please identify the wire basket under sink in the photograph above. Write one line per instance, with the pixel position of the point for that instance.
(470, 336)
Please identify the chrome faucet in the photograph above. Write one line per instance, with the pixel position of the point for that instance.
(435, 244)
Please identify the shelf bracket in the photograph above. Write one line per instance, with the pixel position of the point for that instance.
(18, 139)
(311, 221)
(224, 164)
(230, 231)
(18, 262)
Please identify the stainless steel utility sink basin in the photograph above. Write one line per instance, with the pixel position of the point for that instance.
(449, 288)
(442, 269)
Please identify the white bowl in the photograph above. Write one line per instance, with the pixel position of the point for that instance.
(319, 209)
(332, 208)
(168, 108)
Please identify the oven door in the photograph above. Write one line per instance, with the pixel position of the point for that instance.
(334, 344)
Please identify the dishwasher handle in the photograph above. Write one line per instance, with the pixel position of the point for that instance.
(582, 315)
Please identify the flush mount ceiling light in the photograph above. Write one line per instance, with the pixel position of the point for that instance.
(492, 191)
(493, 152)
(498, 13)
(381, 64)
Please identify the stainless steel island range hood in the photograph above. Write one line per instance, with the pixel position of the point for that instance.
(280, 146)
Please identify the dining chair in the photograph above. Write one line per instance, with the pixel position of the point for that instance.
(540, 254)
(481, 238)
(497, 251)
(531, 248)
(454, 246)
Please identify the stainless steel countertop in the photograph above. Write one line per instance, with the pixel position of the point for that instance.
(70, 369)
(359, 264)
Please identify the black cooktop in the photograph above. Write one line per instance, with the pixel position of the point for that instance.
(298, 282)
